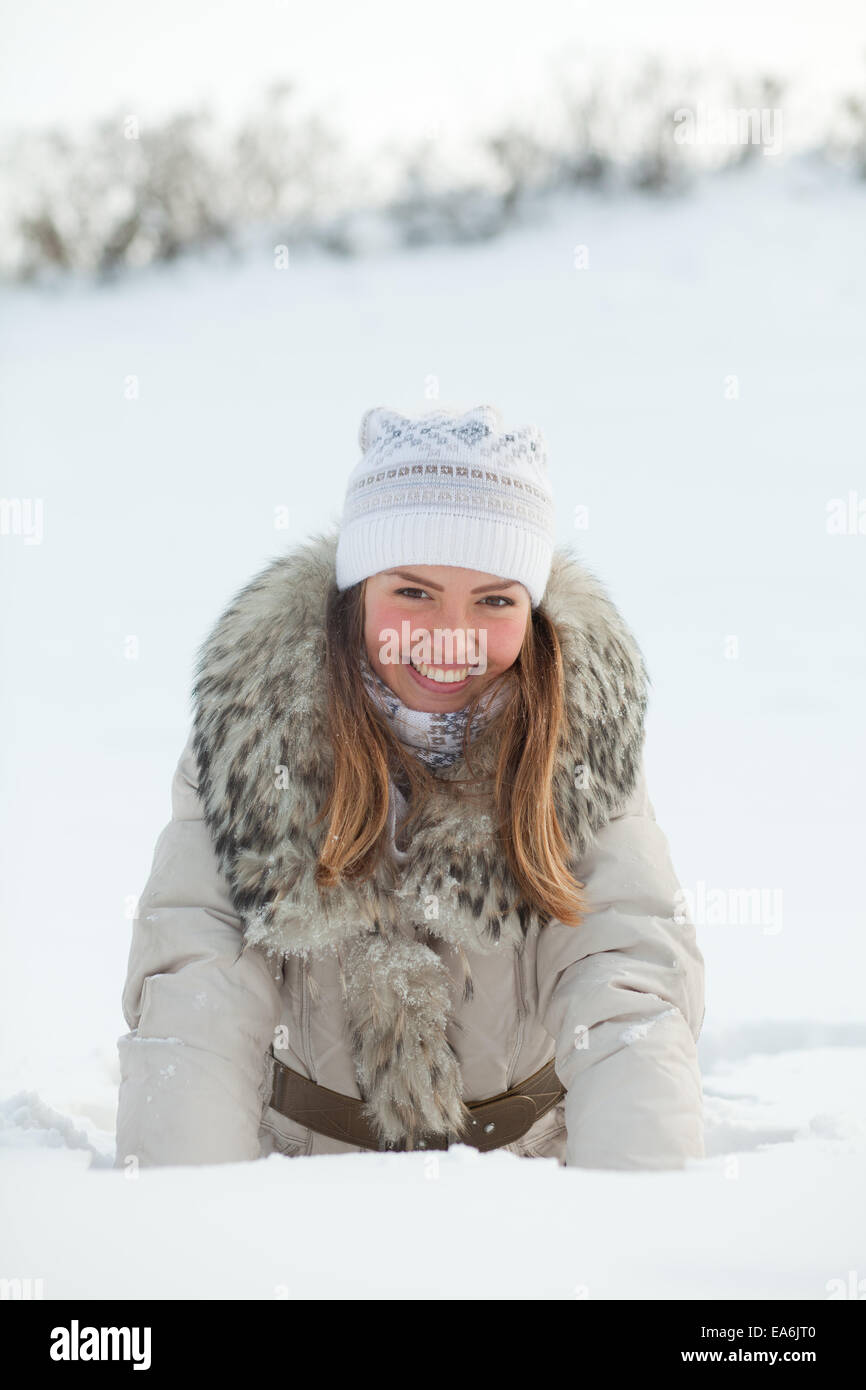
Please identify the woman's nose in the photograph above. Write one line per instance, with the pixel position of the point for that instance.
(454, 614)
(454, 620)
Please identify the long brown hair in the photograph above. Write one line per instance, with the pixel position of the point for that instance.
(366, 751)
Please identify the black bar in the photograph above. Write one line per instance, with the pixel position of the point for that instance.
(817, 1336)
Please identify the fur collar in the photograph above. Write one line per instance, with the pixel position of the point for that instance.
(261, 740)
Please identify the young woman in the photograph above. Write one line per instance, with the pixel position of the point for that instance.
(413, 892)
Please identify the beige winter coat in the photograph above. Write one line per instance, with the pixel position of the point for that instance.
(434, 985)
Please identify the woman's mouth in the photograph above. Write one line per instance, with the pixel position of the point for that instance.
(439, 677)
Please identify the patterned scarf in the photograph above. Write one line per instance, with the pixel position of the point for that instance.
(436, 738)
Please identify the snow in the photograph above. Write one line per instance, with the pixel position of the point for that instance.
(635, 1031)
(774, 1211)
(707, 520)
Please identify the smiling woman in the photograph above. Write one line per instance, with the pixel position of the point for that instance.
(447, 611)
(398, 910)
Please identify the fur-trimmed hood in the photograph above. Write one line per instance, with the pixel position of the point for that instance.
(265, 764)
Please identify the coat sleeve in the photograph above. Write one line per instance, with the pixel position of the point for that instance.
(623, 997)
(193, 1068)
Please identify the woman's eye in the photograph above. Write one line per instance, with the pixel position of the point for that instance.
(410, 591)
(498, 599)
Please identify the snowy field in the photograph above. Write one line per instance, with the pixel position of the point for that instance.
(701, 386)
(774, 1211)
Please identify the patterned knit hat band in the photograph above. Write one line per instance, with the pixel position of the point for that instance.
(443, 489)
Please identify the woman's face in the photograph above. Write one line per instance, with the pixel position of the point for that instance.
(480, 620)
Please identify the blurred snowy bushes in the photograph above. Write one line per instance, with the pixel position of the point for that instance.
(129, 193)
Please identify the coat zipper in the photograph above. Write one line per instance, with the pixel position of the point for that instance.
(521, 1016)
(304, 1021)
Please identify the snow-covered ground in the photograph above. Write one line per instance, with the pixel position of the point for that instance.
(775, 1211)
(164, 423)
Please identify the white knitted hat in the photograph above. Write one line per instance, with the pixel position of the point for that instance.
(446, 489)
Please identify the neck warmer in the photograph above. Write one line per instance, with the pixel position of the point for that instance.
(434, 737)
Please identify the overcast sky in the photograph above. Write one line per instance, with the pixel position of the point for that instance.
(385, 67)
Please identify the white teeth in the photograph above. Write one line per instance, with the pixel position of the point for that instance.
(443, 677)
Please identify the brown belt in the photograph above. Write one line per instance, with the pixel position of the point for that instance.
(500, 1120)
